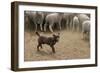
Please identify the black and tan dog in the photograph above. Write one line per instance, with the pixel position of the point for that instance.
(51, 41)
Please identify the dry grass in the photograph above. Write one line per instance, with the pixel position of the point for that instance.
(70, 46)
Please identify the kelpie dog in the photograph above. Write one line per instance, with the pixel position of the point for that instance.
(51, 41)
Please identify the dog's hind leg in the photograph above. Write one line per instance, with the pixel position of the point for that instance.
(41, 46)
(38, 47)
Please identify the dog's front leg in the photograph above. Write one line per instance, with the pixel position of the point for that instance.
(53, 49)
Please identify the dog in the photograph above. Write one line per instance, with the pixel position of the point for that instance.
(51, 41)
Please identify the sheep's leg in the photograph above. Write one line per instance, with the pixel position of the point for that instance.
(41, 27)
(83, 36)
(45, 26)
(59, 26)
(80, 28)
(73, 26)
(35, 27)
(77, 27)
(50, 28)
(89, 35)
(67, 24)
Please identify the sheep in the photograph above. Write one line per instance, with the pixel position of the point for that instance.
(86, 29)
(75, 23)
(51, 20)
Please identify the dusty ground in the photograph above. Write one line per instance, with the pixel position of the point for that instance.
(70, 46)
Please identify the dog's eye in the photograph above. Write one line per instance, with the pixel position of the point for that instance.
(57, 37)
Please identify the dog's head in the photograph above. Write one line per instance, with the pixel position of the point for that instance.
(56, 37)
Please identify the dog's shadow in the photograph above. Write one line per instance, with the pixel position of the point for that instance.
(44, 53)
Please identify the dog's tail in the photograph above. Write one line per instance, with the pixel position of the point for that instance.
(37, 34)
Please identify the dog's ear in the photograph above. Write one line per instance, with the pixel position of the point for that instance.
(54, 35)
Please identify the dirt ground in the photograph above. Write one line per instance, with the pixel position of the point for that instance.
(70, 46)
